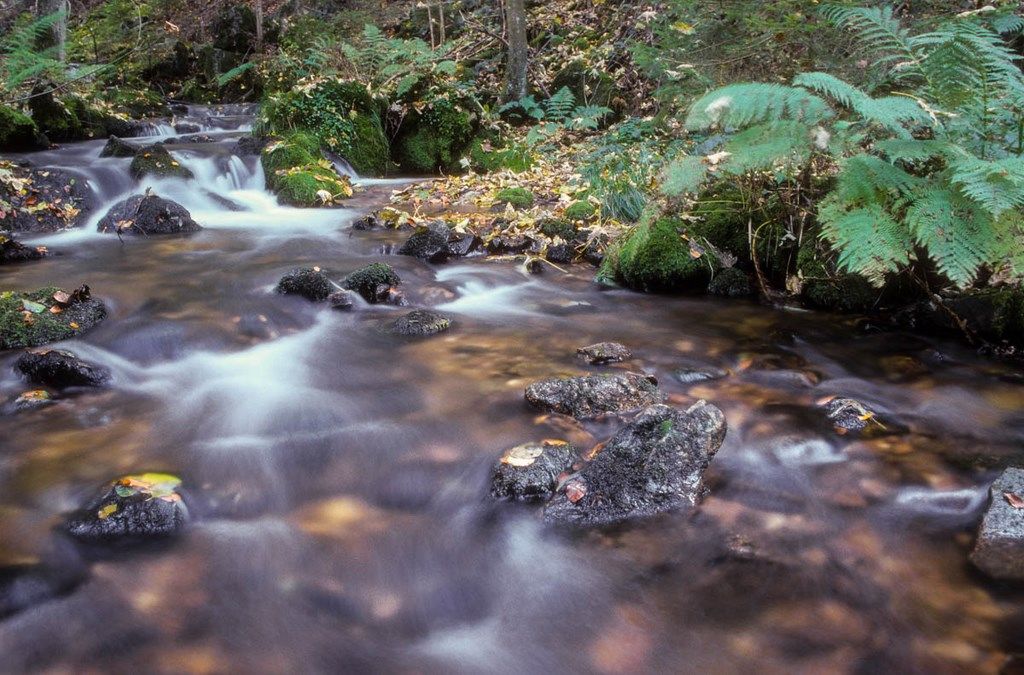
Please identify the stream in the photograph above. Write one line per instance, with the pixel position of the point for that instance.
(338, 476)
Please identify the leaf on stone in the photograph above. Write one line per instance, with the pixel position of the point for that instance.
(1014, 500)
(522, 455)
(34, 307)
(106, 511)
(575, 490)
(62, 297)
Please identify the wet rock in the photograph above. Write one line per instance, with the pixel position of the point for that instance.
(187, 128)
(59, 369)
(436, 243)
(29, 400)
(420, 322)
(693, 375)
(589, 396)
(311, 283)
(155, 160)
(560, 253)
(461, 245)
(368, 222)
(847, 414)
(148, 215)
(143, 506)
(999, 550)
(532, 470)
(508, 244)
(116, 147)
(31, 320)
(390, 295)
(373, 282)
(13, 252)
(68, 198)
(604, 352)
(197, 138)
(27, 585)
(248, 146)
(654, 464)
(730, 283)
(343, 301)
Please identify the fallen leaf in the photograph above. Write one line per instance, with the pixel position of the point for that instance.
(107, 511)
(522, 455)
(1014, 500)
(575, 490)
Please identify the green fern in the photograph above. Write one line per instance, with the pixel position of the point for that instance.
(20, 59)
(869, 239)
(742, 105)
(560, 106)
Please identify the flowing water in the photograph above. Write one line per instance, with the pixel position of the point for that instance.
(338, 476)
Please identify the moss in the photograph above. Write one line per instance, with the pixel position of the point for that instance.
(366, 280)
(435, 140)
(845, 293)
(655, 258)
(53, 117)
(580, 210)
(520, 198)
(368, 149)
(300, 187)
(19, 329)
(487, 155)
(297, 149)
(724, 218)
(730, 283)
(553, 227)
(810, 262)
(18, 132)
(155, 160)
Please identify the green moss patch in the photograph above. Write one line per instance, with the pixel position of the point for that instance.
(654, 257)
(28, 319)
(18, 133)
(580, 210)
(518, 197)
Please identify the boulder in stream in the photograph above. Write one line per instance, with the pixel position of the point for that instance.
(155, 160)
(999, 549)
(419, 323)
(118, 147)
(532, 470)
(44, 200)
(604, 352)
(13, 252)
(148, 215)
(343, 300)
(847, 414)
(311, 283)
(373, 282)
(143, 506)
(60, 369)
(593, 395)
(47, 315)
(436, 242)
(654, 464)
(28, 400)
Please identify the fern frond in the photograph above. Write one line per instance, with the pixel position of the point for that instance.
(866, 179)
(560, 106)
(234, 73)
(869, 240)
(684, 175)
(763, 147)
(831, 86)
(879, 33)
(897, 114)
(741, 105)
(914, 150)
(995, 186)
(958, 235)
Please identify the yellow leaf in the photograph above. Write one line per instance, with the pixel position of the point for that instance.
(107, 511)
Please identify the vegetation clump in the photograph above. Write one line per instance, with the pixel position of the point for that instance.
(655, 257)
(29, 319)
(18, 132)
(517, 197)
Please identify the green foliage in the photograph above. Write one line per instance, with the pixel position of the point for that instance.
(21, 60)
(16, 332)
(580, 210)
(557, 113)
(932, 166)
(18, 132)
(436, 138)
(520, 198)
(655, 257)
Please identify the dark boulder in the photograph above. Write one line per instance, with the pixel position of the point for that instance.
(562, 254)
(373, 282)
(730, 283)
(13, 252)
(30, 319)
(461, 245)
(999, 550)
(583, 397)
(23, 586)
(532, 470)
(847, 414)
(148, 215)
(508, 244)
(604, 352)
(436, 242)
(187, 128)
(368, 222)
(144, 506)
(155, 160)
(420, 322)
(50, 200)
(59, 369)
(250, 146)
(117, 147)
(311, 283)
(343, 300)
(653, 465)
(18, 132)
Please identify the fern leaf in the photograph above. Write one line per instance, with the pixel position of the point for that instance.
(995, 186)
(560, 105)
(741, 105)
(866, 179)
(879, 33)
(869, 240)
(236, 72)
(684, 175)
(897, 114)
(842, 92)
(914, 150)
(780, 145)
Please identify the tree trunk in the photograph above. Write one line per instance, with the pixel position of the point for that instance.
(58, 33)
(518, 50)
(258, 11)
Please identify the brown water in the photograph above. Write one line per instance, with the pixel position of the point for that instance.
(338, 476)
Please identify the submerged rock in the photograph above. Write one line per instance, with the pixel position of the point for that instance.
(693, 375)
(47, 315)
(26, 585)
(311, 283)
(29, 400)
(583, 397)
(148, 215)
(155, 160)
(532, 470)
(654, 464)
(999, 550)
(730, 283)
(604, 352)
(373, 282)
(12, 251)
(847, 414)
(60, 369)
(143, 506)
(420, 322)
(118, 147)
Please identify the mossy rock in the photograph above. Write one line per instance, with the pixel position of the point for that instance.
(518, 197)
(724, 217)
(18, 133)
(304, 186)
(295, 150)
(155, 160)
(996, 314)
(653, 257)
(26, 319)
(731, 283)
(368, 152)
(435, 140)
(52, 116)
(487, 155)
(845, 293)
(366, 280)
(580, 210)
(555, 227)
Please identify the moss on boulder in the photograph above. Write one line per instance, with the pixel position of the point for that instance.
(436, 139)
(487, 155)
(843, 293)
(367, 281)
(26, 319)
(155, 160)
(654, 257)
(580, 210)
(18, 133)
(310, 186)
